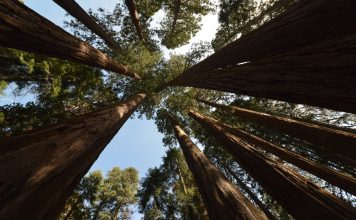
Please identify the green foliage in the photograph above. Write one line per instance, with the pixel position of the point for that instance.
(169, 191)
(103, 198)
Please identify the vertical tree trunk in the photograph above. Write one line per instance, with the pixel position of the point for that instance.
(131, 5)
(301, 198)
(41, 168)
(248, 191)
(333, 139)
(222, 199)
(79, 13)
(181, 178)
(177, 4)
(22, 28)
(347, 183)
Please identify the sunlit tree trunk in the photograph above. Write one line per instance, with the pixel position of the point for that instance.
(221, 198)
(280, 61)
(300, 197)
(333, 139)
(79, 13)
(131, 5)
(22, 28)
(41, 168)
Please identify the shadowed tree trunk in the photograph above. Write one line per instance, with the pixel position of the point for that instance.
(22, 28)
(320, 75)
(131, 5)
(305, 55)
(248, 191)
(177, 4)
(221, 198)
(41, 168)
(333, 139)
(334, 177)
(300, 197)
(79, 13)
(305, 23)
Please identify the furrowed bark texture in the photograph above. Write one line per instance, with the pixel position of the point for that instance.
(306, 55)
(221, 198)
(41, 168)
(131, 5)
(301, 198)
(334, 177)
(332, 139)
(80, 14)
(22, 28)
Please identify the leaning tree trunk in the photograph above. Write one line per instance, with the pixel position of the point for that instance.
(22, 28)
(79, 13)
(279, 61)
(41, 168)
(345, 182)
(221, 198)
(333, 139)
(301, 198)
(131, 5)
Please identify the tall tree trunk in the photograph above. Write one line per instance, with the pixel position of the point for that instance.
(41, 168)
(248, 191)
(305, 23)
(222, 199)
(300, 197)
(22, 28)
(131, 5)
(321, 75)
(79, 13)
(177, 4)
(333, 139)
(334, 177)
(181, 178)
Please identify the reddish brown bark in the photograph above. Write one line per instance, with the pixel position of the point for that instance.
(221, 198)
(41, 168)
(300, 197)
(334, 177)
(305, 23)
(131, 5)
(333, 139)
(321, 75)
(79, 13)
(22, 28)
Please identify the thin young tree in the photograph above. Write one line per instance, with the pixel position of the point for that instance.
(74, 9)
(222, 199)
(23, 29)
(41, 168)
(305, 200)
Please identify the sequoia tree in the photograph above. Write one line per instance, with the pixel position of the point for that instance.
(222, 199)
(309, 200)
(24, 29)
(334, 139)
(278, 61)
(45, 165)
(79, 13)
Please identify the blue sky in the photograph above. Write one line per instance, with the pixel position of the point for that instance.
(138, 144)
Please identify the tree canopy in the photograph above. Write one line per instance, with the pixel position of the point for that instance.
(65, 89)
